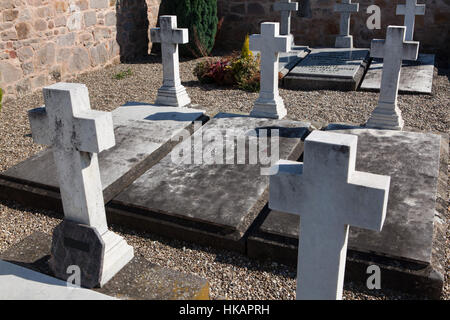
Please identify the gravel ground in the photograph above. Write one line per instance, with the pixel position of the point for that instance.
(231, 276)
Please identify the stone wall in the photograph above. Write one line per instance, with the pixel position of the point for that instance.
(45, 41)
(316, 24)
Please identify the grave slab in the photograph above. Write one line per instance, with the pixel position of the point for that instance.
(416, 76)
(409, 249)
(211, 204)
(138, 280)
(143, 136)
(329, 68)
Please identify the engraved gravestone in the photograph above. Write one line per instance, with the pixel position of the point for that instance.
(393, 50)
(172, 93)
(329, 195)
(76, 135)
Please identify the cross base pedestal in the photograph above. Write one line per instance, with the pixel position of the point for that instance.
(173, 96)
(98, 256)
(386, 117)
(344, 42)
(273, 109)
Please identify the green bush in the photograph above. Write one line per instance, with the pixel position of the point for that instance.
(240, 70)
(200, 17)
(1, 97)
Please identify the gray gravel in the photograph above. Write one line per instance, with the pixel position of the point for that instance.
(231, 276)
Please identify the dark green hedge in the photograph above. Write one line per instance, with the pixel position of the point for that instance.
(200, 17)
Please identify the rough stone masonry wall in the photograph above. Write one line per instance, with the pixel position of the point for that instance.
(45, 41)
(316, 24)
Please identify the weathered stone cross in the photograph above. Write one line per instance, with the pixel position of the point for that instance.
(329, 195)
(345, 40)
(410, 10)
(172, 93)
(270, 44)
(393, 50)
(76, 135)
(286, 7)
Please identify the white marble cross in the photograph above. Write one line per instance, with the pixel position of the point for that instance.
(410, 10)
(329, 195)
(172, 93)
(76, 135)
(285, 7)
(393, 50)
(345, 40)
(270, 44)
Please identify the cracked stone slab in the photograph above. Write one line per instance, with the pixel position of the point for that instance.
(212, 204)
(143, 136)
(405, 248)
(415, 77)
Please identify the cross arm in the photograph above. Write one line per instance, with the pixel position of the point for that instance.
(155, 35)
(94, 131)
(180, 35)
(285, 186)
(283, 44)
(368, 200)
(346, 7)
(420, 10)
(39, 126)
(410, 50)
(285, 6)
(377, 48)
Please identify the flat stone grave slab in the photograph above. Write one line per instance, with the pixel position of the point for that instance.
(410, 250)
(416, 76)
(329, 68)
(210, 204)
(143, 136)
(138, 280)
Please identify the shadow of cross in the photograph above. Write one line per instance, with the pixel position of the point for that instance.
(410, 10)
(329, 195)
(76, 134)
(269, 43)
(393, 51)
(171, 93)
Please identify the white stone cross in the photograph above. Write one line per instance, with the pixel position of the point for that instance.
(329, 195)
(345, 40)
(410, 10)
(172, 93)
(285, 7)
(76, 135)
(270, 44)
(393, 50)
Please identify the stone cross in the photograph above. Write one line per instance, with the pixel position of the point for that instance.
(172, 93)
(410, 10)
(329, 195)
(270, 44)
(286, 7)
(76, 135)
(393, 50)
(345, 40)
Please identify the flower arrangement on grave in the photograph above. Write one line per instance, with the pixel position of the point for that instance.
(200, 17)
(239, 69)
